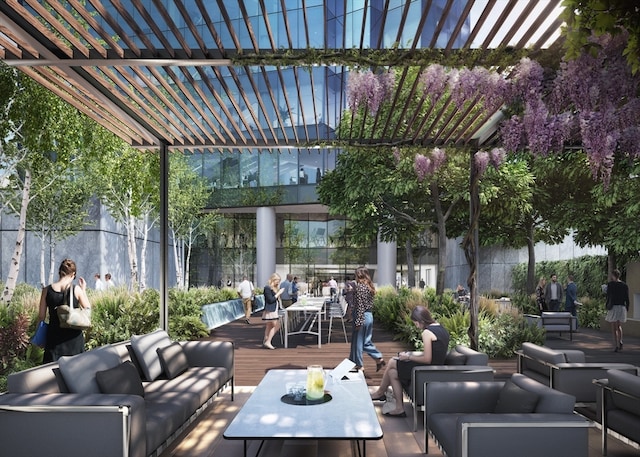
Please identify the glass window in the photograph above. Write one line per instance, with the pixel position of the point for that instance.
(212, 169)
(317, 234)
(268, 171)
(288, 168)
(249, 168)
(231, 170)
(311, 165)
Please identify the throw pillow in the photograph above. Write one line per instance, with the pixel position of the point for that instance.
(145, 347)
(173, 360)
(79, 371)
(123, 379)
(514, 399)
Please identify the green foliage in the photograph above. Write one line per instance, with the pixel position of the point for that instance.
(500, 334)
(589, 273)
(591, 311)
(14, 337)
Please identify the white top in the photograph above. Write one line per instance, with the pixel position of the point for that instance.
(349, 415)
(245, 289)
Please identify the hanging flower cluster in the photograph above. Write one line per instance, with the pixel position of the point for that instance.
(592, 101)
(483, 159)
(369, 89)
(426, 166)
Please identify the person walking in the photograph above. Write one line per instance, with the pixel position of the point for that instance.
(99, 285)
(617, 307)
(540, 301)
(571, 298)
(435, 339)
(245, 292)
(361, 341)
(553, 294)
(272, 293)
(62, 341)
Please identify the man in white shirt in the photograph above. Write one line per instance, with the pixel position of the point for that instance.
(108, 282)
(99, 284)
(245, 291)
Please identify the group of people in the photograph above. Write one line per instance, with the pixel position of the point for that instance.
(103, 285)
(549, 296)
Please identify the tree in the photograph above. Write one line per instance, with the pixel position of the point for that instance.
(585, 18)
(188, 194)
(126, 182)
(40, 135)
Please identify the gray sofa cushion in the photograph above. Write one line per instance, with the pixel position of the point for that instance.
(549, 400)
(543, 353)
(145, 347)
(79, 371)
(166, 412)
(173, 360)
(514, 399)
(123, 379)
(203, 381)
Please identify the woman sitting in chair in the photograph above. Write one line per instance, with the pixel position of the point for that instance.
(398, 373)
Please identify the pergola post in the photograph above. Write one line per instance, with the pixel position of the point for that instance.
(164, 235)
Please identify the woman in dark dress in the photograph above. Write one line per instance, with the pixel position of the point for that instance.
(272, 292)
(398, 373)
(62, 341)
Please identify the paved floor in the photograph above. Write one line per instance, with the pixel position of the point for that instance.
(204, 439)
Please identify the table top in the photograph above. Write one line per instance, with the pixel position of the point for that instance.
(349, 415)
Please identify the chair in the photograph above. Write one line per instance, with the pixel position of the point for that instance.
(337, 309)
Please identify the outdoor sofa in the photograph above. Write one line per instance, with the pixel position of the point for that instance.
(519, 417)
(461, 364)
(566, 370)
(95, 403)
(618, 407)
(554, 321)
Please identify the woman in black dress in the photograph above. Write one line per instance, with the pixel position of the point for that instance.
(398, 373)
(62, 341)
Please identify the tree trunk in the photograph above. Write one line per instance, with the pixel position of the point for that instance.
(411, 269)
(470, 245)
(143, 253)
(442, 239)
(14, 266)
(176, 260)
(531, 266)
(133, 252)
(43, 245)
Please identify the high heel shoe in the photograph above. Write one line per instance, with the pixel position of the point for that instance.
(380, 364)
(382, 397)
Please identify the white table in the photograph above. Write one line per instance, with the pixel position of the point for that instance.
(349, 415)
(312, 325)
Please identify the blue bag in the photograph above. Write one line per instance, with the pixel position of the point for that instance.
(40, 338)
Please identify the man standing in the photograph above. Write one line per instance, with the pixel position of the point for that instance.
(553, 294)
(99, 284)
(333, 288)
(287, 285)
(571, 297)
(245, 291)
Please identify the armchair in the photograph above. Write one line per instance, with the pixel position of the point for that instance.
(518, 417)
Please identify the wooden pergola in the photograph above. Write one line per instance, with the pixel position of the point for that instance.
(216, 76)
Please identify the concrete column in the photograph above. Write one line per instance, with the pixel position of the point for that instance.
(265, 244)
(387, 259)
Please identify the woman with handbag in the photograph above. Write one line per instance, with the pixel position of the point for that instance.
(63, 341)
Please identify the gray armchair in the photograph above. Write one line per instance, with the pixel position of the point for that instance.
(503, 419)
(461, 364)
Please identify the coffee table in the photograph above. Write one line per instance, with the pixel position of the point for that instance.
(349, 415)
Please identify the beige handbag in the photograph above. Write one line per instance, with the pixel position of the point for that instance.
(77, 318)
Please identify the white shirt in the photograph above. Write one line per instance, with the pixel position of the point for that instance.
(245, 289)
(99, 285)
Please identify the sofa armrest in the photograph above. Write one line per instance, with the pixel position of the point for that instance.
(525, 435)
(576, 378)
(206, 353)
(75, 425)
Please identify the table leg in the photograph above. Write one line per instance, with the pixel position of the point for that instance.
(286, 328)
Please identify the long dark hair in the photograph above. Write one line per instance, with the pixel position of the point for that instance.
(422, 315)
(362, 276)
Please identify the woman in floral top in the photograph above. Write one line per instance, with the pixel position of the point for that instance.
(361, 340)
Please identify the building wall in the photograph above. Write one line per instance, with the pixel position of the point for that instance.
(496, 263)
(100, 248)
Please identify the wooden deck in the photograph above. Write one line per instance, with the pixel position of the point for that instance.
(204, 438)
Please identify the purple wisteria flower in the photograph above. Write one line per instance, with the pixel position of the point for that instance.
(425, 166)
(434, 79)
(369, 89)
(481, 159)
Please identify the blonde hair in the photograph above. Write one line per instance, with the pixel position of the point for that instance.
(273, 279)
